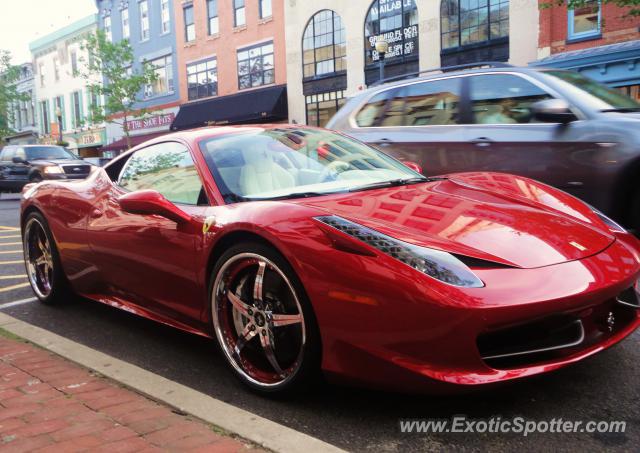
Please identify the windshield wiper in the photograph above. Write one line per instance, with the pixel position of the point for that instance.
(393, 183)
(292, 195)
(623, 110)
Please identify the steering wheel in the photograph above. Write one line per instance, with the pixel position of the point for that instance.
(331, 171)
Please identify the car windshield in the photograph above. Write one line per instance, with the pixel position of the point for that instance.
(48, 152)
(604, 98)
(289, 162)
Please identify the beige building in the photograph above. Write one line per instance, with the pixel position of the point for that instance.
(331, 44)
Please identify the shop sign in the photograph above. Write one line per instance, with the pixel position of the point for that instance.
(151, 122)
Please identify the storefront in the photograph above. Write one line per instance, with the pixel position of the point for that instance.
(265, 105)
(396, 21)
(617, 65)
(87, 143)
(141, 129)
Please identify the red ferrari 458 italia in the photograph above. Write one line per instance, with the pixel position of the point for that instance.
(302, 251)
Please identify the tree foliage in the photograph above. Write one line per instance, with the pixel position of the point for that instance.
(123, 83)
(9, 95)
(632, 7)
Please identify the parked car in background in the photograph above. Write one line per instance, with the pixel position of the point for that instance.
(21, 164)
(552, 125)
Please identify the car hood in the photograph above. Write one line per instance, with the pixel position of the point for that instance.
(59, 162)
(513, 225)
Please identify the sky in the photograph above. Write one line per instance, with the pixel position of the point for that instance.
(23, 21)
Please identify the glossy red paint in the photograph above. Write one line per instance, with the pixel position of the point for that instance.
(553, 256)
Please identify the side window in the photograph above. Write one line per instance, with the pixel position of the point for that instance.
(8, 153)
(504, 99)
(433, 103)
(371, 114)
(20, 153)
(165, 167)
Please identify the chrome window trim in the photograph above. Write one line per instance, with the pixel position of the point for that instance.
(552, 92)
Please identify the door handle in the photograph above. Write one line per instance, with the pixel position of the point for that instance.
(482, 142)
(384, 142)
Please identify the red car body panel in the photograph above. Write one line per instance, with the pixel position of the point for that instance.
(382, 323)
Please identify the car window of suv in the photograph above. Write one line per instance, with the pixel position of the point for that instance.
(8, 153)
(433, 103)
(20, 153)
(373, 112)
(165, 167)
(504, 99)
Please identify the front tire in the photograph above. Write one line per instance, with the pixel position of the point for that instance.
(42, 261)
(263, 320)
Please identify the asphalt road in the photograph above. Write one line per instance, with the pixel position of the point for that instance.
(605, 387)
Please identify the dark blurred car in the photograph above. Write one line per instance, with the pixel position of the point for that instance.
(22, 164)
(552, 125)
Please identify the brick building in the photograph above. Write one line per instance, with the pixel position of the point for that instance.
(231, 62)
(599, 40)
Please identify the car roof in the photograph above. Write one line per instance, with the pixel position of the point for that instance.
(444, 73)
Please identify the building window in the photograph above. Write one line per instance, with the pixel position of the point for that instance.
(58, 103)
(239, 18)
(255, 66)
(41, 74)
(165, 15)
(164, 82)
(56, 68)
(265, 9)
(189, 24)
(74, 61)
(321, 107)
(324, 47)
(107, 28)
(76, 103)
(202, 79)
(126, 32)
(144, 20)
(464, 22)
(212, 14)
(44, 114)
(584, 21)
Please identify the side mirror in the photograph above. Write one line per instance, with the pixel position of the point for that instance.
(152, 202)
(412, 165)
(18, 160)
(553, 111)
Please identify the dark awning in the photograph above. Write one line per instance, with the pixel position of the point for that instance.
(255, 106)
(121, 144)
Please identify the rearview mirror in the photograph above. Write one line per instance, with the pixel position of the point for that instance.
(18, 160)
(152, 202)
(553, 111)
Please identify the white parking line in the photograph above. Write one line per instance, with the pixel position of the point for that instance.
(15, 303)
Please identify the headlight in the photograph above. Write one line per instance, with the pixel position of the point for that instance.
(437, 264)
(53, 170)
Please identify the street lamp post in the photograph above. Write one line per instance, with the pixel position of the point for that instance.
(382, 46)
(59, 115)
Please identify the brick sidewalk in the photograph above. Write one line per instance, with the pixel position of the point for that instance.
(48, 404)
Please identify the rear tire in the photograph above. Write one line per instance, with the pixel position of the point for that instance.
(263, 320)
(42, 261)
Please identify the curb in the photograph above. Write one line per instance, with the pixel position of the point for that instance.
(254, 428)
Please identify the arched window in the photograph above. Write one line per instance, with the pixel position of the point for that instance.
(467, 22)
(397, 22)
(324, 48)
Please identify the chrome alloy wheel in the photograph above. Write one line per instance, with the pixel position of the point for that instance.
(38, 258)
(258, 320)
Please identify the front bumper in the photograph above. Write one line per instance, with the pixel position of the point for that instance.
(415, 335)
